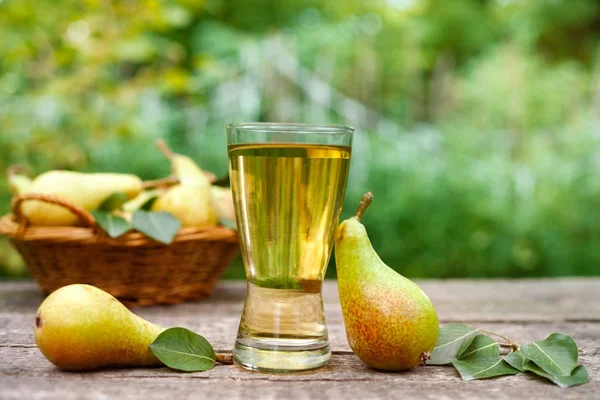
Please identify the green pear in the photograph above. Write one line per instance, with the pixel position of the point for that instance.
(390, 322)
(80, 327)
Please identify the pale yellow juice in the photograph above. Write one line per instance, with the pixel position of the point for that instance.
(288, 201)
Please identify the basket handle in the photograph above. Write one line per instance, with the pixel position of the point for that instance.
(17, 201)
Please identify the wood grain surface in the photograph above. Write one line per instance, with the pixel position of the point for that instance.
(523, 310)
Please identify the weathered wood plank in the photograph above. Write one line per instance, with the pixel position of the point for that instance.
(28, 361)
(420, 383)
(455, 300)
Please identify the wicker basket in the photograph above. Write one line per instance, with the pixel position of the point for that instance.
(135, 269)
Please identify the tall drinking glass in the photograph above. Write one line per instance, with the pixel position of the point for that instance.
(288, 183)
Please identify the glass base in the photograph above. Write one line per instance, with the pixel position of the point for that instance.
(283, 329)
(281, 355)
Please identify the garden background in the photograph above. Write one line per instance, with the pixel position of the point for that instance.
(478, 121)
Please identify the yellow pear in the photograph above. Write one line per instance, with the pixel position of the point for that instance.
(189, 204)
(390, 322)
(19, 184)
(80, 327)
(86, 190)
(223, 202)
(186, 170)
(190, 201)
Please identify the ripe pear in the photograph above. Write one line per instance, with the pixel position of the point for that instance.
(80, 327)
(190, 204)
(19, 184)
(390, 322)
(87, 190)
(223, 202)
(186, 170)
(190, 201)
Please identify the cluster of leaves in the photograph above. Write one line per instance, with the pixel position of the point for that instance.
(161, 226)
(158, 225)
(477, 356)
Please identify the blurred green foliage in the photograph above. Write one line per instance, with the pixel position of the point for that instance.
(477, 120)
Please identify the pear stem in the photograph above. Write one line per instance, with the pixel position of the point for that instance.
(14, 169)
(222, 358)
(162, 146)
(168, 181)
(509, 343)
(363, 205)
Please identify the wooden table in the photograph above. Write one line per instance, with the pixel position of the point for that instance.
(523, 310)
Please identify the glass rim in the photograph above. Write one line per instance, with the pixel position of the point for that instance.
(290, 127)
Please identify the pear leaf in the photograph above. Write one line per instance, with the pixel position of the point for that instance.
(183, 350)
(579, 375)
(482, 360)
(160, 226)
(517, 360)
(113, 201)
(113, 225)
(557, 354)
(481, 346)
(228, 222)
(483, 367)
(452, 340)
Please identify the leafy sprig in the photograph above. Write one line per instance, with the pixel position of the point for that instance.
(477, 356)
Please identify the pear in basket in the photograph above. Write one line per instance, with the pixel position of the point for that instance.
(17, 182)
(223, 202)
(190, 201)
(87, 190)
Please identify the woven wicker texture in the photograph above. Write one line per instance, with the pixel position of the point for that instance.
(135, 269)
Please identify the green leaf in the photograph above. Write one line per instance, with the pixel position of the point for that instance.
(111, 224)
(452, 340)
(483, 367)
(482, 360)
(183, 350)
(160, 226)
(228, 222)
(481, 346)
(557, 354)
(516, 360)
(579, 375)
(113, 201)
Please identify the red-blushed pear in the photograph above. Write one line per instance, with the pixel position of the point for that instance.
(390, 322)
(80, 327)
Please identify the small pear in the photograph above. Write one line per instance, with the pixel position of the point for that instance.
(87, 190)
(190, 201)
(186, 170)
(223, 202)
(390, 322)
(189, 204)
(19, 184)
(80, 327)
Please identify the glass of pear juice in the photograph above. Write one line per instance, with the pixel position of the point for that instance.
(288, 183)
